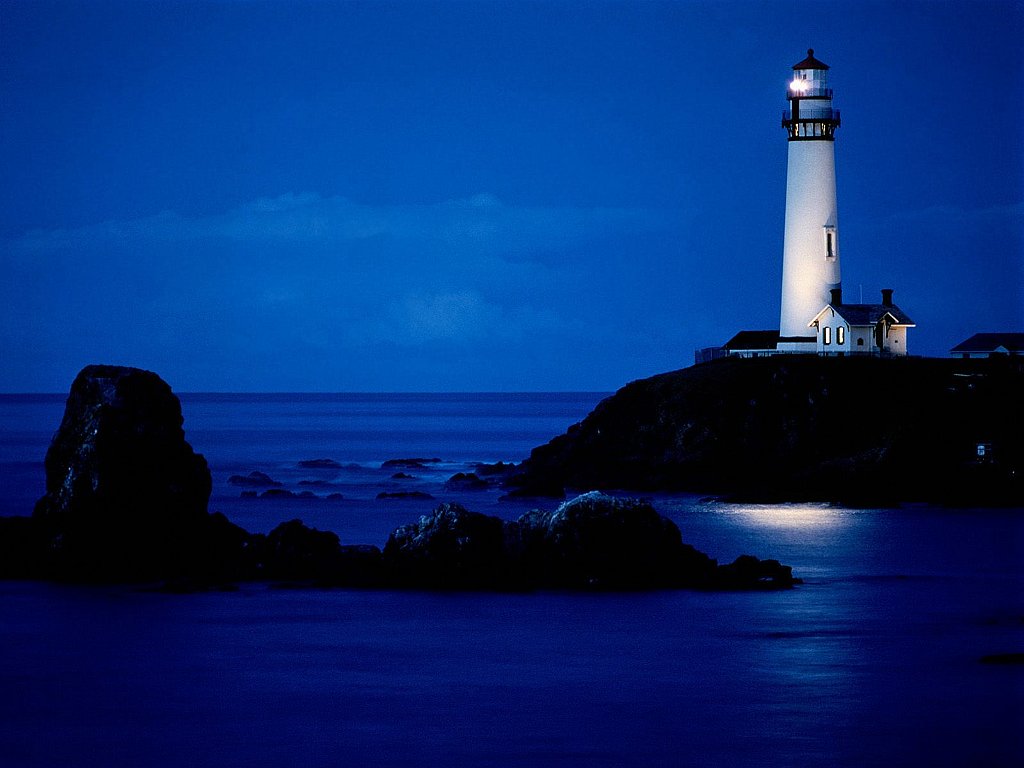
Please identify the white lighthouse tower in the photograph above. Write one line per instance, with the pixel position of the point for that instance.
(810, 260)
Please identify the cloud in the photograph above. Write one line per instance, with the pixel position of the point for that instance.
(482, 220)
(290, 281)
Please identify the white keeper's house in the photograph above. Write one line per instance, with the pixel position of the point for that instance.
(852, 329)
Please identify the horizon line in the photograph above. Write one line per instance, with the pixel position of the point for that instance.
(351, 392)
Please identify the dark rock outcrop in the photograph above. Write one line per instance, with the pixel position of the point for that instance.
(747, 572)
(125, 493)
(594, 542)
(404, 495)
(1003, 658)
(295, 552)
(465, 481)
(278, 493)
(597, 541)
(853, 430)
(452, 548)
(497, 469)
(414, 463)
(21, 548)
(319, 464)
(254, 479)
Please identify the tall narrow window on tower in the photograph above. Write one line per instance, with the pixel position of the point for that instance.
(830, 242)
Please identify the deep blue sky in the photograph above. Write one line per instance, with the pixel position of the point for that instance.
(480, 196)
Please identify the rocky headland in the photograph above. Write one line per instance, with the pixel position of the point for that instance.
(855, 430)
(126, 501)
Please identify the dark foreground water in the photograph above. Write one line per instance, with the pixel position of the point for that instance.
(874, 661)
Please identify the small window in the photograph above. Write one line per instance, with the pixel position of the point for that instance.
(826, 335)
(830, 241)
(860, 342)
(841, 334)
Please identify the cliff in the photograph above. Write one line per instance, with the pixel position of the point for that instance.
(854, 429)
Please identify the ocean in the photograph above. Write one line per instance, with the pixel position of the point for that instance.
(876, 660)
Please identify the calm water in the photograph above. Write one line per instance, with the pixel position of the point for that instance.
(873, 662)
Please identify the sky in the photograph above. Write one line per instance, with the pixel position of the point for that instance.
(481, 196)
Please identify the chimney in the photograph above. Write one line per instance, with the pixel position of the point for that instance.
(887, 297)
(837, 297)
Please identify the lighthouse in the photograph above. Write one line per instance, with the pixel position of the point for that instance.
(810, 259)
(815, 318)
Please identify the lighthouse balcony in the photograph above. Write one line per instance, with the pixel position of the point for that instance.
(811, 126)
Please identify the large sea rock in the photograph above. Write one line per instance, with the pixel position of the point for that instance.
(592, 542)
(856, 430)
(596, 541)
(452, 548)
(294, 552)
(125, 494)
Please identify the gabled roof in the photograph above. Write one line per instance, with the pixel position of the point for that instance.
(810, 62)
(866, 314)
(989, 342)
(754, 340)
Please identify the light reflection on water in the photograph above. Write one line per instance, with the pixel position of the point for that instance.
(803, 517)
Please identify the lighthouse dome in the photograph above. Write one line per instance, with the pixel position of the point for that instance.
(810, 62)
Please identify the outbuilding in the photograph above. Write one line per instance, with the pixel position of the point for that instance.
(989, 344)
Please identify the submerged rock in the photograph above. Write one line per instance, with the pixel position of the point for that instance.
(404, 495)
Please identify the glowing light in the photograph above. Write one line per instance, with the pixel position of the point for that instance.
(799, 85)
